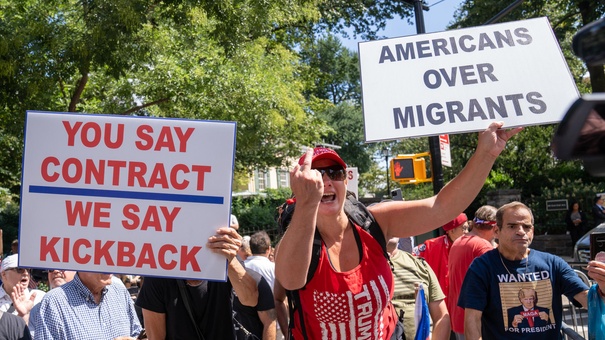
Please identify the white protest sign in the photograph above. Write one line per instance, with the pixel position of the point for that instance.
(444, 147)
(353, 181)
(128, 195)
(462, 80)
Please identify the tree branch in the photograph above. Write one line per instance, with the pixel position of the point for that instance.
(140, 107)
(78, 92)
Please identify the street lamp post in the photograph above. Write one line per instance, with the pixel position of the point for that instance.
(385, 152)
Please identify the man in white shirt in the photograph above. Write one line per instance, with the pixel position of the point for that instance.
(260, 246)
(16, 280)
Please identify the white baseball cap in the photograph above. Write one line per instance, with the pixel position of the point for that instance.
(9, 262)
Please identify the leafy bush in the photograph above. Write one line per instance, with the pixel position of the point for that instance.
(9, 223)
(259, 212)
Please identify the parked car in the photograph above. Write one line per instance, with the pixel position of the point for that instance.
(581, 251)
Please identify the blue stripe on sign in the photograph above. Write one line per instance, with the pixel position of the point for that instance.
(39, 189)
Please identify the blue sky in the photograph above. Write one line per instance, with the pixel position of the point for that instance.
(440, 14)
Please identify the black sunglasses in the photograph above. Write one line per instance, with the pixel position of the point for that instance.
(19, 270)
(334, 172)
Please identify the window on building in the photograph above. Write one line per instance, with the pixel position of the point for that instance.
(262, 180)
(283, 178)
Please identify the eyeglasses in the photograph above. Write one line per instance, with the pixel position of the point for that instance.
(335, 172)
(19, 270)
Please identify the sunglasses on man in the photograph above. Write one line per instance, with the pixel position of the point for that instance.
(19, 270)
(334, 172)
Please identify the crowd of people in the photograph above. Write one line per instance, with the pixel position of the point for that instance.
(331, 274)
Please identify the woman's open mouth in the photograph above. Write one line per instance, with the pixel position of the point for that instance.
(328, 197)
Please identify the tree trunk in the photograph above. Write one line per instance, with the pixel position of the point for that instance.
(75, 98)
(597, 78)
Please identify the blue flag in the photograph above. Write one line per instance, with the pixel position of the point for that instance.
(421, 316)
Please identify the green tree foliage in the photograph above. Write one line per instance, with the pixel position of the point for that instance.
(566, 17)
(189, 59)
(334, 73)
(365, 18)
(9, 222)
(333, 69)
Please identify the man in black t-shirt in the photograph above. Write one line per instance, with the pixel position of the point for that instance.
(13, 327)
(258, 322)
(211, 302)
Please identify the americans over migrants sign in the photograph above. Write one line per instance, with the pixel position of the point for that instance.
(128, 195)
(461, 80)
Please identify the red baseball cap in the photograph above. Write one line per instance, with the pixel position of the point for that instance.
(324, 153)
(455, 223)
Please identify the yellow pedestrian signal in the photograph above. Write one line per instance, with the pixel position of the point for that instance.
(410, 169)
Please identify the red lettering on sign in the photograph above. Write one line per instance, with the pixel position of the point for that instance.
(44, 169)
(76, 251)
(189, 257)
(162, 258)
(74, 170)
(129, 212)
(102, 252)
(48, 248)
(125, 254)
(81, 213)
(153, 219)
(119, 254)
(165, 139)
(201, 170)
(146, 257)
(92, 133)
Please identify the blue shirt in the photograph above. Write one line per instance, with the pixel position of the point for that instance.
(492, 285)
(70, 312)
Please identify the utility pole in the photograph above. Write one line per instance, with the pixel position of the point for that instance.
(434, 149)
(385, 151)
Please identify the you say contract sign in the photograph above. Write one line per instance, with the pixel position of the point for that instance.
(125, 194)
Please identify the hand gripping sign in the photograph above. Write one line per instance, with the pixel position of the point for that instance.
(125, 195)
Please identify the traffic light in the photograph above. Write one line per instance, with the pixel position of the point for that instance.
(408, 169)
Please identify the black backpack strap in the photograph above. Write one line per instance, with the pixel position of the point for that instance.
(360, 215)
(293, 305)
(294, 297)
(185, 297)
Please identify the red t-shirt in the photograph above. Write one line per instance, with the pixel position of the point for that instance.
(436, 252)
(349, 305)
(464, 250)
